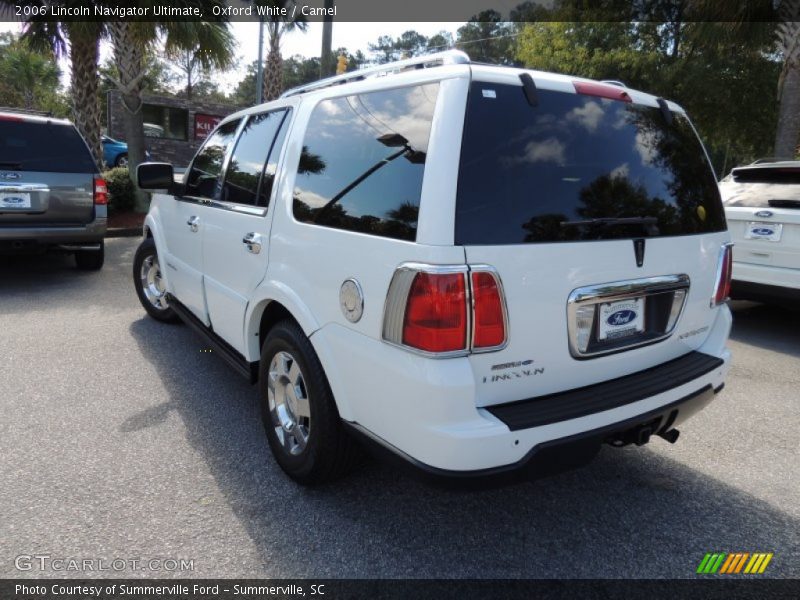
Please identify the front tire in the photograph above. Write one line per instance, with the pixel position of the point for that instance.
(303, 426)
(150, 286)
(91, 260)
(121, 161)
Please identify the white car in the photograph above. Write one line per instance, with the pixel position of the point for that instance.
(762, 205)
(476, 270)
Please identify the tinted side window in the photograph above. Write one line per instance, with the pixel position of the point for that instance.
(363, 160)
(42, 146)
(268, 178)
(249, 156)
(204, 177)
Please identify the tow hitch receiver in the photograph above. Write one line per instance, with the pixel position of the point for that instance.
(641, 434)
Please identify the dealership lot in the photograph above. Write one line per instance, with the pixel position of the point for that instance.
(122, 438)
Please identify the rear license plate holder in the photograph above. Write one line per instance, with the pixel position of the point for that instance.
(767, 232)
(620, 319)
(15, 201)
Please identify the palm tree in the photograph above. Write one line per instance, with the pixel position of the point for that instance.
(81, 43)
(276, 29)
(211, 42)
(739, 18)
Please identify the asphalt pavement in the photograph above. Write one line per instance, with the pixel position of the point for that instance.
(121, 439)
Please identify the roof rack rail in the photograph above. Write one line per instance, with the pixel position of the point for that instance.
(449, 57)
(616, 82)
(26, 111)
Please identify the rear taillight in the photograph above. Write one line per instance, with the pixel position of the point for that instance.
(722, 286)
(444, 310)
(100, 191)
(489, 321)
(436, 313)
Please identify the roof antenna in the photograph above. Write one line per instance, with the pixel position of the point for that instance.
(662, 104)
(529, 87)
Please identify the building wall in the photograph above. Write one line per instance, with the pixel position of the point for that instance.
(175, 151)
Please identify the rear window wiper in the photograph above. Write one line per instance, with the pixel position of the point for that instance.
(784, 203)
(611, 221)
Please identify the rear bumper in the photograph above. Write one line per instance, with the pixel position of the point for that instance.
(426, 410)
(549, 457)
(48, 235)
(762, 282)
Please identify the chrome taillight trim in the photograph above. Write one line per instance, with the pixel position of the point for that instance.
(394, 307)
(622, 290)
(727, 246)
(397, 299)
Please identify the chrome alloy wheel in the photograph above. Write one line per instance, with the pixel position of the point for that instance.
(152, 283)
(288, 403)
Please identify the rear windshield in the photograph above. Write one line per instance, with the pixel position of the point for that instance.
(569, 168)
(37, 146)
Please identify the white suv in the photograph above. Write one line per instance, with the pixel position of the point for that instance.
(761, 204)
(478, 270)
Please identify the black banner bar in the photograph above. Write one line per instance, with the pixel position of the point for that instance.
(377, 11)
(716, 588)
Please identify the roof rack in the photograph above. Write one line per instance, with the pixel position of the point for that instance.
(26, 111)
(449, 57)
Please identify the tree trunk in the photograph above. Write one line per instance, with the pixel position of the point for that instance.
(129, 60)
(327, 65)
(788, 113)
(273, 77)
(84, 56)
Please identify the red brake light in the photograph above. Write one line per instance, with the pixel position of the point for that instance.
(612, 92)
(722, 289)
(100, 191)
(489, 319)
(436, 313)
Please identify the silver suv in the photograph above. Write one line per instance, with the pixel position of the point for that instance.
(51, 194)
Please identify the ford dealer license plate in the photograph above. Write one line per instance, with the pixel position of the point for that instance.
(769, 232)
(621, 319)
(14, 200)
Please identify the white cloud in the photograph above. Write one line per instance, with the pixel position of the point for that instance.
(549, 150)
(588, 116)
(621, 171)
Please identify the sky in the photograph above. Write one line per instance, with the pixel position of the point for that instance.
(353, 36)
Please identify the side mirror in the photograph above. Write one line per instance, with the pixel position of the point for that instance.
(155, 176)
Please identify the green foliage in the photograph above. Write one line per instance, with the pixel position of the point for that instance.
(121, 191)
(29, 79)
(725, 80)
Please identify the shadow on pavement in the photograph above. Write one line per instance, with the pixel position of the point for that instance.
(775, 328)
(631, 513)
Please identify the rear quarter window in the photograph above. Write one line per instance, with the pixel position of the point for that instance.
(363, 160)
(43, 146)
(546, 173)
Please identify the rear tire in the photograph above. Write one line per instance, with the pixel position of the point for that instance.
(121, 161)
(149, 285)
(299, 413)
(91, 260)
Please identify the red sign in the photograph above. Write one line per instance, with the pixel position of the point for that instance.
(204, 124)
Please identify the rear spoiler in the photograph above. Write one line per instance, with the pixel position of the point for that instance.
(767, 174)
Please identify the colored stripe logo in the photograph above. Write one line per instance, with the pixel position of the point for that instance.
(723, 563)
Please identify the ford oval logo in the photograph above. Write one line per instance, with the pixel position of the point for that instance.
(762, 231)
(764, 214)
(621, 317)
(13, 200)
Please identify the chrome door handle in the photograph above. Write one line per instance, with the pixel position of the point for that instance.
(253, 242)
(193, 223)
